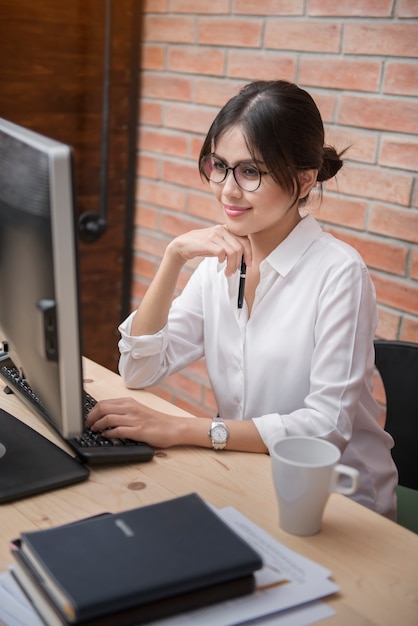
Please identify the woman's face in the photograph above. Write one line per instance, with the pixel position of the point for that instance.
(268, 211)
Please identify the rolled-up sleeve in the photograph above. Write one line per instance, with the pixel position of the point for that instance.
(141, 358)
(149, 359)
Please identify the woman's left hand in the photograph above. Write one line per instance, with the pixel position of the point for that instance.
(126, 418)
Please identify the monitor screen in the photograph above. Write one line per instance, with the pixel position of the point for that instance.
(39, 297)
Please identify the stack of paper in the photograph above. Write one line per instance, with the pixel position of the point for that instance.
(288, 589)
(288, 586)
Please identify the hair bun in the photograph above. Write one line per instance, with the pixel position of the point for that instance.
(332, 163)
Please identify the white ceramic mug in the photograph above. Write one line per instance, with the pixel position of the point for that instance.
(305, 471)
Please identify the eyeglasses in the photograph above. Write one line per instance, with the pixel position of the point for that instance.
(246, 175)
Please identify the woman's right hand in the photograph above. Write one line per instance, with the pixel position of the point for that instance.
(215, 241)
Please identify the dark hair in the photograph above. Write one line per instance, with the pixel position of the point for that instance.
(281, 122)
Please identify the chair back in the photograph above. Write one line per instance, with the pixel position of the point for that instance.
(397, 363)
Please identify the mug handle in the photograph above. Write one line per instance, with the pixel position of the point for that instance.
(344, 471)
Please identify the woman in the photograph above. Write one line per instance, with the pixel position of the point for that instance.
(298, 357)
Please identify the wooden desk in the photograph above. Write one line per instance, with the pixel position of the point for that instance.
(373, 560)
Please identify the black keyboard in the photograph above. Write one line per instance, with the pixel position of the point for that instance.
(91, 447)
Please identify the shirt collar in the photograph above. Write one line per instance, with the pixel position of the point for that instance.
(290, 250)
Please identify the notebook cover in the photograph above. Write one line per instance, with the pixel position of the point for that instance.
(33, 464)
(135, 616)
(111, 563)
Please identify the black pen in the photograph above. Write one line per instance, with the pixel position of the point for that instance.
(241, 285)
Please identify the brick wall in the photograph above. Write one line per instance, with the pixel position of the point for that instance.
(358, 59)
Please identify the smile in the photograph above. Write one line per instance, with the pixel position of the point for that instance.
(234, 211)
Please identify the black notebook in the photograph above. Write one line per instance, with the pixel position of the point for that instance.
(32, 464)
(134, 616)
(159, 558)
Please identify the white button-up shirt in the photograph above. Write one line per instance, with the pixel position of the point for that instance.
(302, 364)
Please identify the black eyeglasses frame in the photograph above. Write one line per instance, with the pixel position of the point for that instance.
(229, 168)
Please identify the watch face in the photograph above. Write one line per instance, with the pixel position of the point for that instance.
(219, 433)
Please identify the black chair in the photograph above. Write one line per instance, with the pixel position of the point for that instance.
(397, 364)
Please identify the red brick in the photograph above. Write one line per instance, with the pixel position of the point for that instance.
(204, 205)
(184, 403)
(372, 182)
(147, 217)
(196, 60)
(396, 293)
(414, 264)
(186, 385)
(155, 6)
(388, 323)
(377, 254)
(210, 402)
(350, 8)
(391, 40)
(139, 289)
(189, 117)
(191, 6)
(195, 147)
(182, 173)
(147, 166)
(166, 86)
(342, 211)
(235, 32)
(175, 225)
(161, 195)
(407, 8)
(401, 153)
(162, 391)
(387, 114)
(152, 57)
(345, 74)
(401, 78)
(168, 29)
(185, 274)
(154, 244)
(303, 35)
(269, 7)
(144, 268)
(326, 103)
(198, 370)
(263, 65)
(150, 113)
(394, 222)
(409, 330)
(361, 146)
(215, 91)
(163, 141)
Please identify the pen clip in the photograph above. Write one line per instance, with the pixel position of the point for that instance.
(243, 268)
(241, 287)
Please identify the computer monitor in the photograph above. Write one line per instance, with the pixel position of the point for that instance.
(39, 292)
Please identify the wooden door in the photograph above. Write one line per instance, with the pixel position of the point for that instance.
(69, 71)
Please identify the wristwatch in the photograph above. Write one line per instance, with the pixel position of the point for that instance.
(218, 433)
